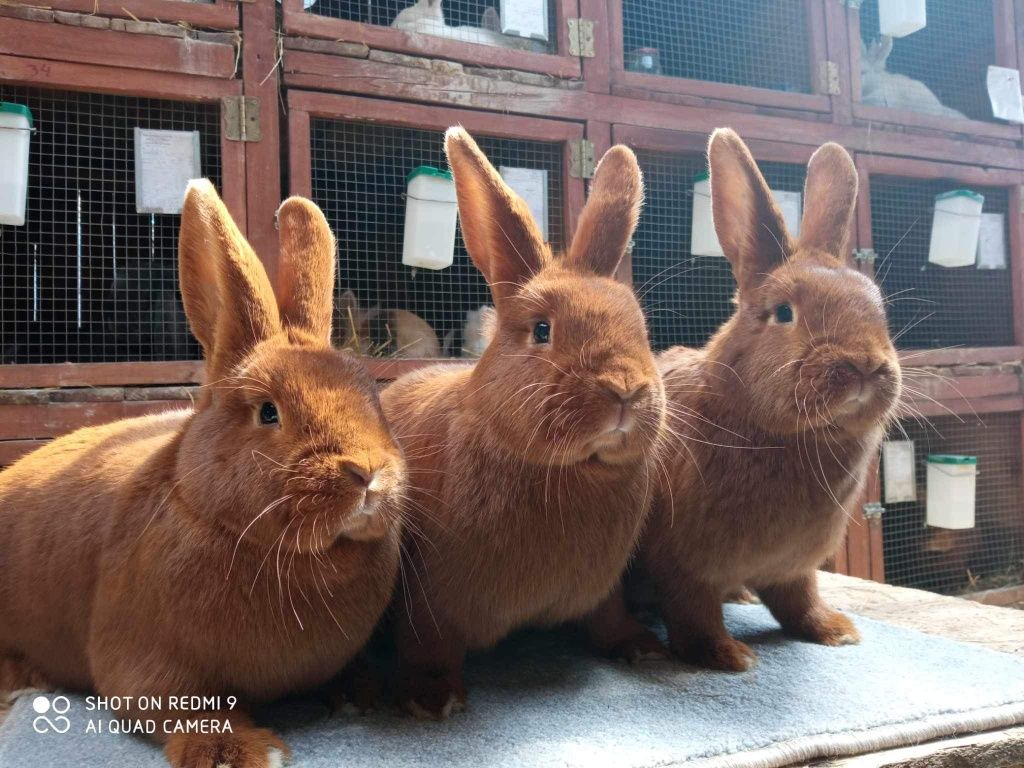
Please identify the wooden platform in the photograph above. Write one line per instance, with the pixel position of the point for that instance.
(1001, 629)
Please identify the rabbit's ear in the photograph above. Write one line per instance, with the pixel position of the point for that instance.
(610, 215)
(749, 224)
(502, 239)
(305, 270)
(829, 196)
(227, 296)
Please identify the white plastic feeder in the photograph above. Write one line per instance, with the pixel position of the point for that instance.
(956, 224)
(703, 240)
(431, 211)
(899, 18)
(951, 485)
(15, 133)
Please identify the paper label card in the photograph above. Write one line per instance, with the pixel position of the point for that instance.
(531, 185)
(525, 18)
(992, 242)
(898, 469)
(1004, 93)
(791, 204)
(165, 162)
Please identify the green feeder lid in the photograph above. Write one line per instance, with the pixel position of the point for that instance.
(17, 109)
(961, 193)
(703, 176)
(948, 458)
(426, 170)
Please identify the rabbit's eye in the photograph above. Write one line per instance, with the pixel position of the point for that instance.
(542, 332)
(784, 314)
(268, 414)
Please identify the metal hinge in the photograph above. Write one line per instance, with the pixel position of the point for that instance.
(581, 38)
(873, 511)
(241, 118)
(828, 78)
(581, 159)
(865, 255)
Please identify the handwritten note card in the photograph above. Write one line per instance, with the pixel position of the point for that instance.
(531, 185)
(165, 162)
(525, 18)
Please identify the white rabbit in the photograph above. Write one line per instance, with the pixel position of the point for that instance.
(478, 330)
(888, 89)
(427, 17)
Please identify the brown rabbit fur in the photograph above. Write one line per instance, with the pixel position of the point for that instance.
(777, 417)
(532, 471)
(206, 551)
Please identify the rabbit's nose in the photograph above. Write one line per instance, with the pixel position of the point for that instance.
(622, 392)
(868, 367)
(361, 475)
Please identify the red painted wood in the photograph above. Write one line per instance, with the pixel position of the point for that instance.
(817, 43)
(961, 356)
(969, 409)
(930, 169)
(100, 79)
(12, 450)
(54, 419)
(131, 51)
(388, 39)
(300, 165)
(99, 374)
(222, 14)
(232, 159)
(597, 70)
(862, 215)
(263, 157)
(907, 119)
(1005, 34)
(332, 73)
(858, 546)
(838, 40)
(1016, 212)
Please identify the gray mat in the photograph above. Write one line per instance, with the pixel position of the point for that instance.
(541, 700)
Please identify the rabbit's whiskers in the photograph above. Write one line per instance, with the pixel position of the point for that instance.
(266, 510)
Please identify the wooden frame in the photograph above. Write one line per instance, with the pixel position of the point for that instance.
(302, 105)
(298, 22)
(1005, 56)
(127, 82)
(217, 14)
(624, 82)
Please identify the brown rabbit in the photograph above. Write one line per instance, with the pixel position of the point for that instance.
(777, 417)
(245, 547)
(532, 470)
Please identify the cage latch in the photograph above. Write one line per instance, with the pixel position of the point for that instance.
(864, 255)
(581, 159)
(873, 511)
(581, 38)
(828, 78)
(241, 116)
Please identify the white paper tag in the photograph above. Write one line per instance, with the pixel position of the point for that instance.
(165, 162)
(1004, 93)
(791, 204)
(525, 18)
(898, 468)
(532, 186)
(992, 242)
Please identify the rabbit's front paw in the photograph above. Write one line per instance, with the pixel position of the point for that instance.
(246, 747)
(727, 654)
(639, 647)
(427, 695)
(829, 628)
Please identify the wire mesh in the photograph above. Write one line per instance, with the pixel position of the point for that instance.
(742, 42)
(87, 278)
(470, 21)
(989, 555)
(685, 297)
(946, 61)
(359, 173)
(931, 306)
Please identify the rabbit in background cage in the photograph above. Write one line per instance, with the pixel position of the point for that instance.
(143, 313)
(376, 333)
(478, 330)
(427, 17)
(889, 89)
